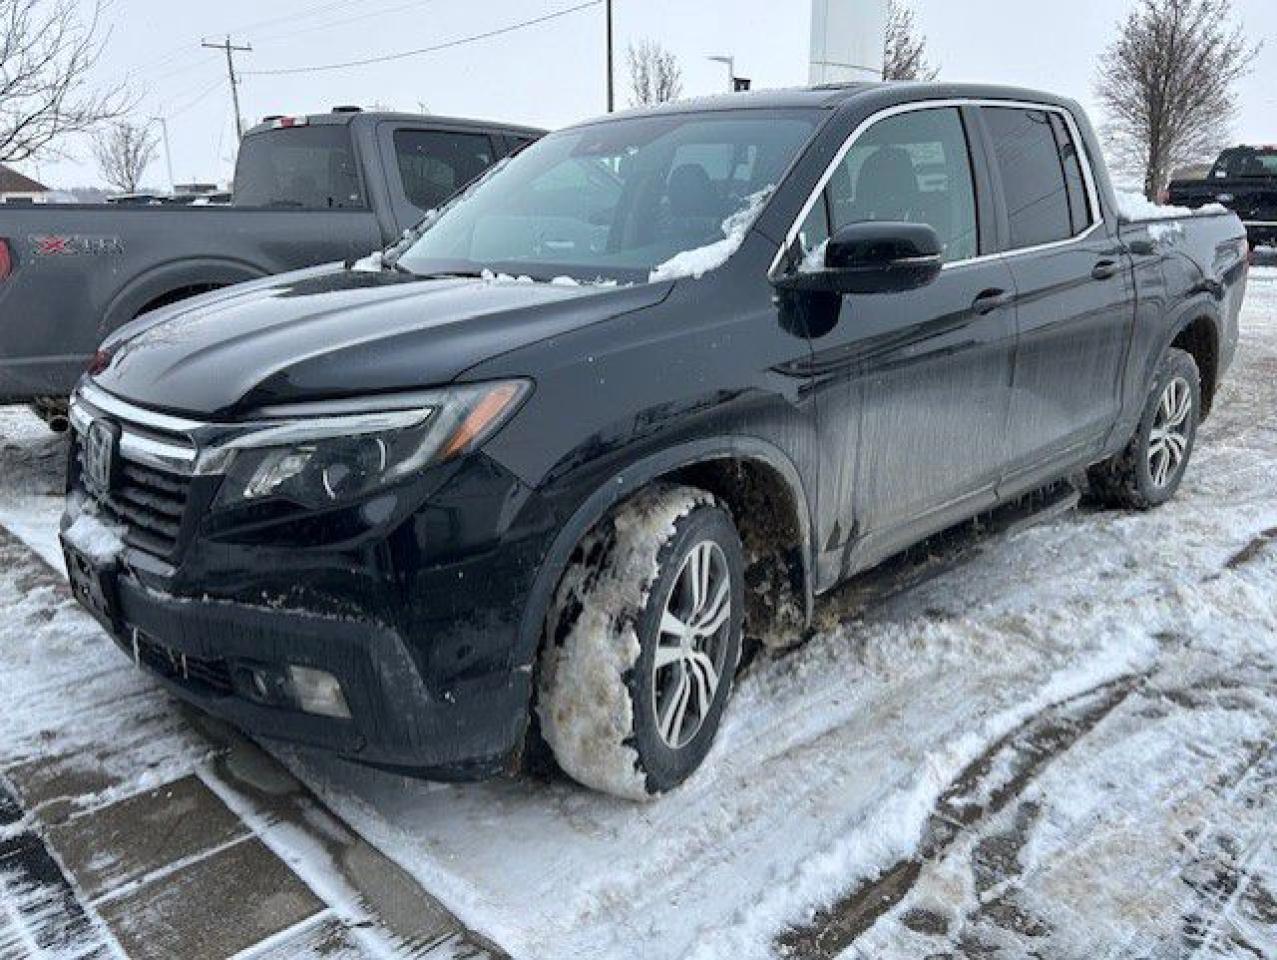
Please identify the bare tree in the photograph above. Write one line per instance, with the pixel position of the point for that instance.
(123, 151)
(655, 76)
(47, 52)
(1166, 84)
(904, 52)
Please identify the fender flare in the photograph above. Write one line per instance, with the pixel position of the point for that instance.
(629, 480)
(165, 278)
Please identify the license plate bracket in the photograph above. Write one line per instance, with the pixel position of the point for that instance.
(93, 584)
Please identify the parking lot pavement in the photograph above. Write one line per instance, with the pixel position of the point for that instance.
(1056, 739)
(132, 827)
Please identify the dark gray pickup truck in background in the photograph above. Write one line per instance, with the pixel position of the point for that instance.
(308, 190)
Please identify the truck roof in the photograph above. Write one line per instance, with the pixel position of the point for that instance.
(352, 115)
(834, 95)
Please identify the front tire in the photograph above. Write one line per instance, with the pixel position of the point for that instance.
(1149, 470)
(643, 642)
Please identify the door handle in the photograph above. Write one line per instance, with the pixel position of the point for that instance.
(989, 301)
(1104, 270)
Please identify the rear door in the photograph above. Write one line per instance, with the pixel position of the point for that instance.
(429, 164)
(1076, 301)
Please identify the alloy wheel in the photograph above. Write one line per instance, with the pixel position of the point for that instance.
(1168, 440)
(692, 644)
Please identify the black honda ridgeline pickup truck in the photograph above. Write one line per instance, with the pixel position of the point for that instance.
(532, 476)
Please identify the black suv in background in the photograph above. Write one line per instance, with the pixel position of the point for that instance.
(536, 472)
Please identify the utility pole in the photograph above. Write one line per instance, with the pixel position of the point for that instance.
(231, 50)
(610, 81)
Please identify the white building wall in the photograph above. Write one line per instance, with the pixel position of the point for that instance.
(847, 39)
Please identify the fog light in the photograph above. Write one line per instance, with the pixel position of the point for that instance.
(318, 692)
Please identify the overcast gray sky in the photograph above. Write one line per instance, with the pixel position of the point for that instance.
(552, 73)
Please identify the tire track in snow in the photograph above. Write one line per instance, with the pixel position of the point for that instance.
(983, 789)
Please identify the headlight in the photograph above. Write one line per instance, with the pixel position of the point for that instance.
(316, 457)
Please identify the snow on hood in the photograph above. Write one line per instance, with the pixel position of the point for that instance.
(700, 261)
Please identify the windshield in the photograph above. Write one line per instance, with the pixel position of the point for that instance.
(1239, 164)
(305, 168)
(617, 200)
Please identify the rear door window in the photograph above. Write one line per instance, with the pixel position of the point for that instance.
(303, 168)
(1080, 213)
(1033, 175)
(435, 164)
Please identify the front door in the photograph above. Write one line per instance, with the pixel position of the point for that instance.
(912, 388)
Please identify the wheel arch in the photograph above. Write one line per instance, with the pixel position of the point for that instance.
(173, 281)
(740, 471)
(1198, 336)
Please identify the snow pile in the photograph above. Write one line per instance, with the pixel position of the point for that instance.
(814, 261)
(1165, 231)
(375, 262)
(491, 277)
(566, 281)
(696, 263)
(1136, 208)
(100, 542)
(586, 711)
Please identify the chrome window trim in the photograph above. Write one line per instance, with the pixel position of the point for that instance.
(1084, 158)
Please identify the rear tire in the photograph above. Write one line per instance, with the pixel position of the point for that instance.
(1149, 470)
(643, 643)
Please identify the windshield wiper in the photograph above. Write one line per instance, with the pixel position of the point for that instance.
(441, 274)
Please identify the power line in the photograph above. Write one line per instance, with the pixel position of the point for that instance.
(317, 68)
(291, 32)
(197, 99)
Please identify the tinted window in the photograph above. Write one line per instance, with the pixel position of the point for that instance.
(1075, 185)
(914, 167)
(1245, 162)
(615, 199)
(435, 164)
(308, 168)
(1028, 158)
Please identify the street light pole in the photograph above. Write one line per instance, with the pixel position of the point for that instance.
(168, 154)
(610, 81)
(731, 71)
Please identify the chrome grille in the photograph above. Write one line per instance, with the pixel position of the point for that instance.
(148, 502)
(149, 492)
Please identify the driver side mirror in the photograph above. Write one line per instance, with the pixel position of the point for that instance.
(870, 257)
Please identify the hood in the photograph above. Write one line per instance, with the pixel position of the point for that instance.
(332, 333)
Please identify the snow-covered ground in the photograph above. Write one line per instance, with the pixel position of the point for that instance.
(1063, 744)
